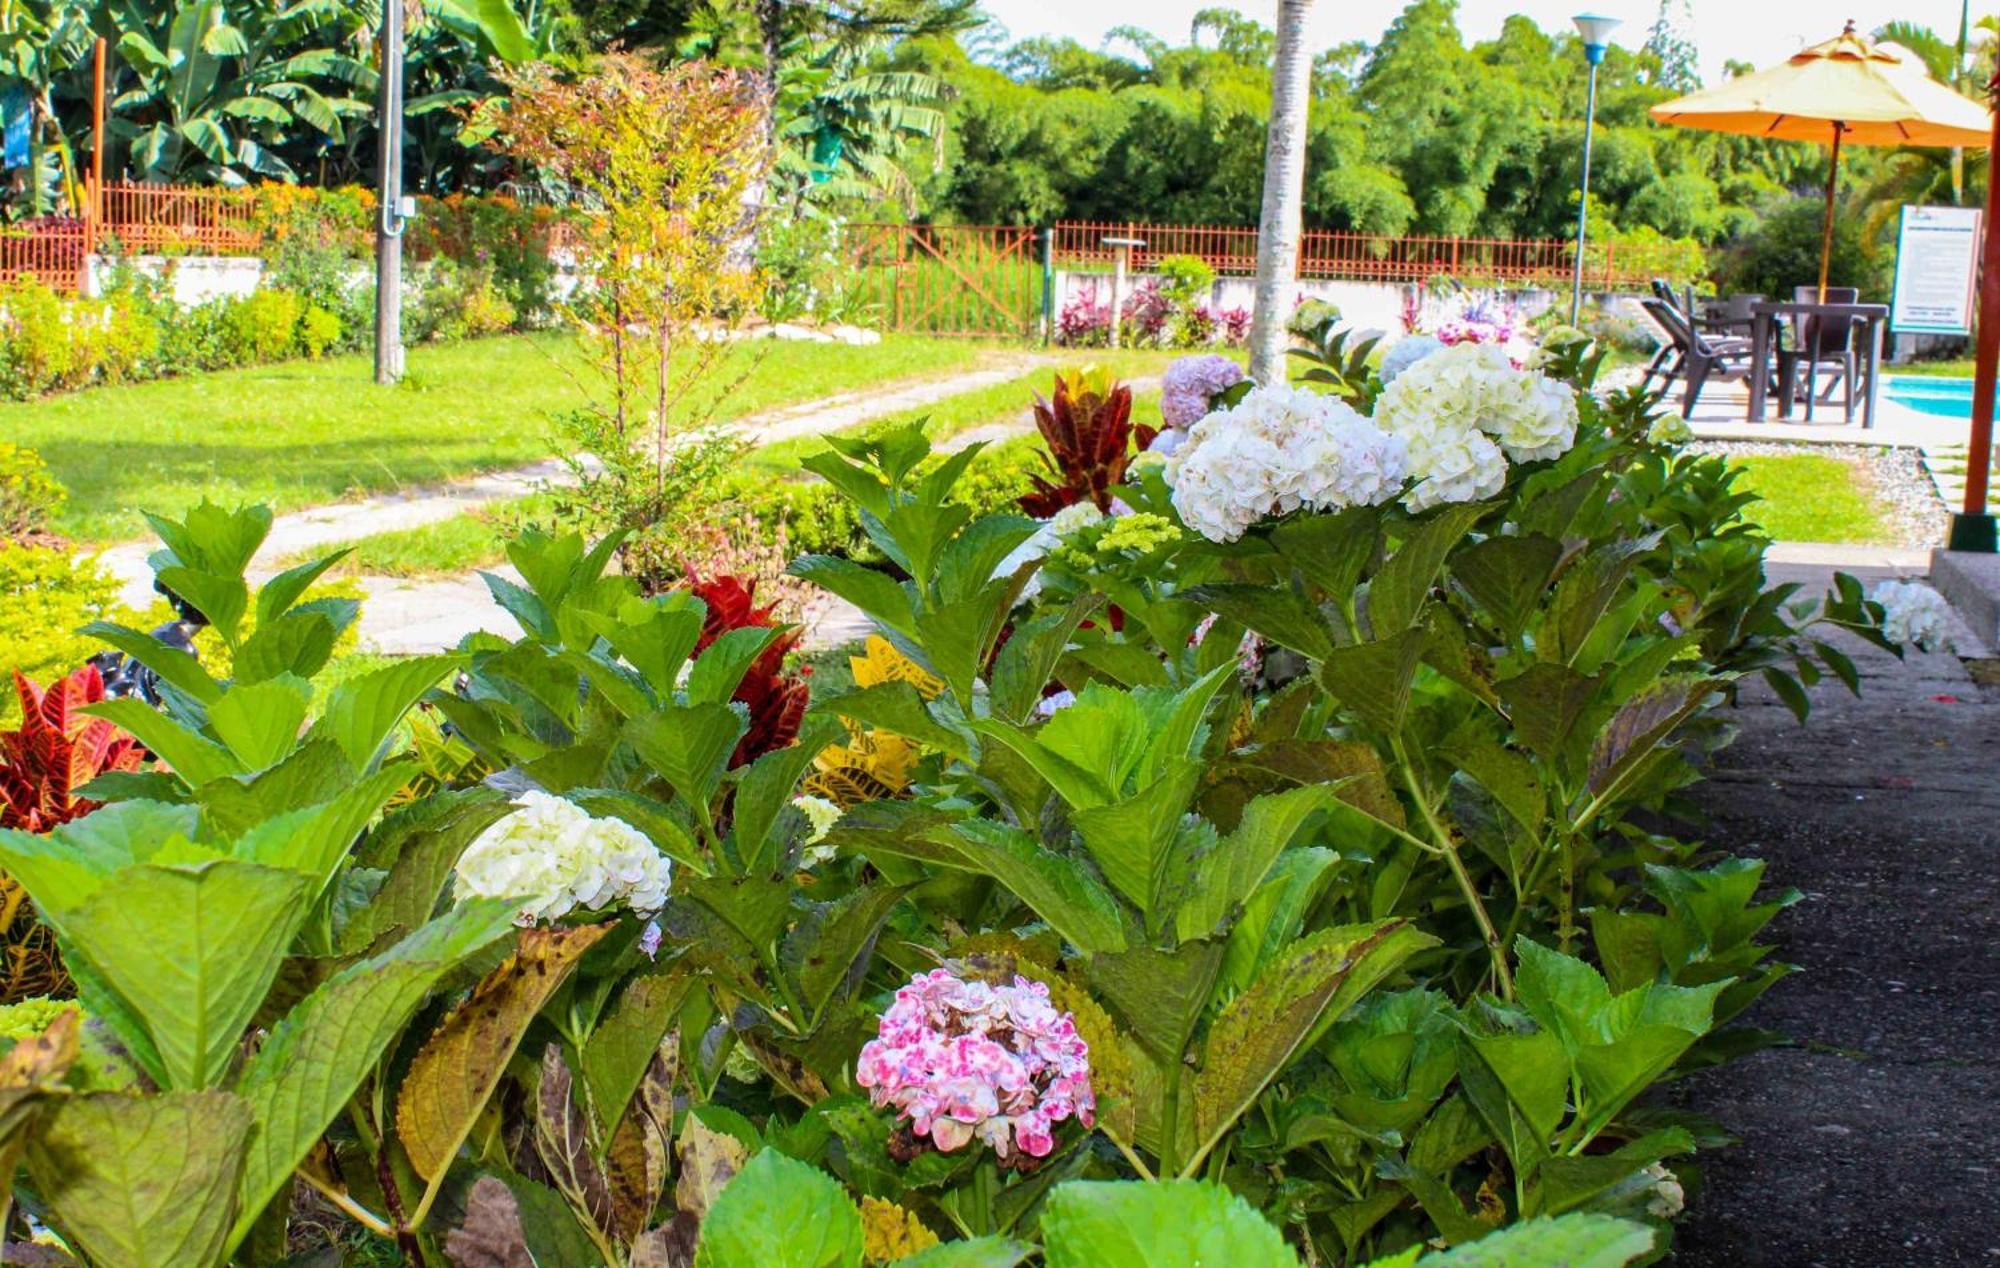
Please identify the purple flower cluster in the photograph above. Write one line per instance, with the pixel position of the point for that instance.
(1190, 384)
(963, 1059)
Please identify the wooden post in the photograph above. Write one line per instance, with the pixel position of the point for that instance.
(1973, 527)
(1826, 229)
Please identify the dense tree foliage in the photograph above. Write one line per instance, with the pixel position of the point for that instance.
(920, 108)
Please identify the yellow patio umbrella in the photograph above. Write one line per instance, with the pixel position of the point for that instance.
(1849, 90)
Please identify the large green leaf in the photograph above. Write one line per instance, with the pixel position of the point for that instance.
(314, 841)
(718, 671)
(1545, 702)
(973, 1252)
(1279, 613)
(195, 758)
(1399, 589)
(362, 711)
(766, 788)
(625, 1041)
(419, 845)
(143, 1181)
(1506, 577)
(1168, 1224)
(689, 745)
(260, 723)
(1257, 1033)
(177, 668)
(62, 869)
(317, 1056)
(1573, 1241)
(1022, 669)
(1133, 840)
(780, 1213)
(1330, 550)
(191, 950)
(1159, 996)
(1373, 679)
(1238, 866)
(1054, 886)
(876, 593)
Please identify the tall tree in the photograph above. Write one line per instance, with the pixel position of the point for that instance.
(1284, 192)
(1671, 40)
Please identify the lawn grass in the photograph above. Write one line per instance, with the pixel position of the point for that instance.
(1813, 498)
(1000, 403)
(305, 433)
(1951, 368)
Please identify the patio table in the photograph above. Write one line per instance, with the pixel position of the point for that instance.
(1876, 315)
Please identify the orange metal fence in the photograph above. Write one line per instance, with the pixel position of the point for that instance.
(176, 219)
(50, 250)
(1381, 258)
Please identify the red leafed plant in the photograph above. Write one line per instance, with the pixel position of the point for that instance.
(58, 750)
(1087, 424)
(776, 700)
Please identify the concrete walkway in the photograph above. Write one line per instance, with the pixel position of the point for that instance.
(1873, 1137)
(417, 616)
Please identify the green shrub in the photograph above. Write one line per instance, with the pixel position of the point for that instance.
(262, 326)
(1783, 251)
(51, 343)
(45, 597)
(29, 495)
(319, 330)
(1185, 280)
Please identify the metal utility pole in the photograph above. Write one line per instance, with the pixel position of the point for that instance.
(389, 228)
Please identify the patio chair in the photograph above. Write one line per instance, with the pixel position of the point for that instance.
(1731, 316)
(1691, 356)
(1821, 345)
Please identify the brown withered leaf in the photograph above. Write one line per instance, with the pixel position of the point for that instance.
(671, 1245)
(709, 1160)
(636, 1162)
(562, 1139)
(456, 1070)
(491, 1235)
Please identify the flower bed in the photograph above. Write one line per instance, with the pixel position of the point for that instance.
(1254, 856)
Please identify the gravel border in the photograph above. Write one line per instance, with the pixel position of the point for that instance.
(1893, 474)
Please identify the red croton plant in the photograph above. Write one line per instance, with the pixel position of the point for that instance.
(776, 700)
(58, 750)
(1087, 424)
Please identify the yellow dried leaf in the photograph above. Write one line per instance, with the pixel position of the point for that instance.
(889, 1233)
(458, 1067)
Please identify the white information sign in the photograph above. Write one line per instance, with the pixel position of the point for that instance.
(1937, 264)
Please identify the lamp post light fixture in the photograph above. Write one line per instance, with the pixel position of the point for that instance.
(1596, 32)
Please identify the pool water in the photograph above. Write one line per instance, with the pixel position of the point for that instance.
(1939, 397)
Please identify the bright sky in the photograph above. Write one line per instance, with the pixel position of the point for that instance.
(1756, 31)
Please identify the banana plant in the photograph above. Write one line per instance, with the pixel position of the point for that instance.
(218, 89)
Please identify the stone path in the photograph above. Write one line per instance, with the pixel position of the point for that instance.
(1873, 1138)
(410, 616)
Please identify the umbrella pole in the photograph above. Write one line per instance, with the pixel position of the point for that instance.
(1973, 528)
(1826, 229)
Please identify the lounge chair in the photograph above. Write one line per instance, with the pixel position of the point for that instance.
(1691, 356)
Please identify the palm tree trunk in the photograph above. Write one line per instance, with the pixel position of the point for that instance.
(1284, 193)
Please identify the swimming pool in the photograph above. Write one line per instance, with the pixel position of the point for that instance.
(1938, 397)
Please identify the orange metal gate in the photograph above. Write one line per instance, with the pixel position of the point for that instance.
(950, 279)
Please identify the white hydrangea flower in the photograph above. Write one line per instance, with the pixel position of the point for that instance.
(1453, 465)
(1406, 352)
(1074, 518)
(1278, 449)
(554, 857)
(1913, 614)
(1452, 407)
(821, 815)
(1665, 1198)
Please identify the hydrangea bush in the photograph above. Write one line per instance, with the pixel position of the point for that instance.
(1277, 868)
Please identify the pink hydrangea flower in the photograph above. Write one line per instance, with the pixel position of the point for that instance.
(965, 1060)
